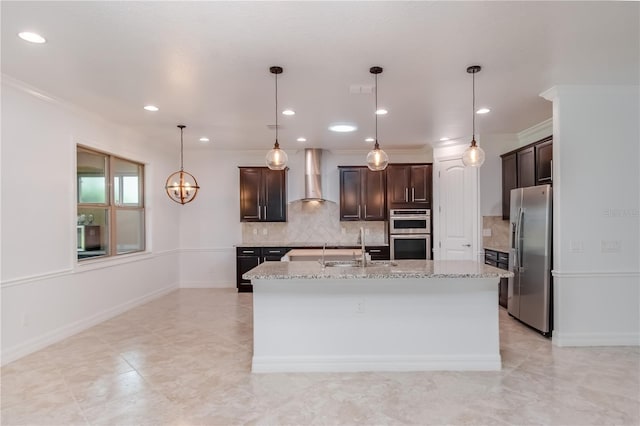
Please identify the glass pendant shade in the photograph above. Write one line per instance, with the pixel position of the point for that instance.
(277, 158)
(181, 186)
(473, 156)
(377, 159)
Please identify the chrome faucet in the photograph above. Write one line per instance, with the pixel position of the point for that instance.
(364, 253)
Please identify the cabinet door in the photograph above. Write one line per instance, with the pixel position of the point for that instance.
(274, 203)
(526, 167)
(373, 194)
(250, 188)
(544, 156)
(420, 190)
(509, 182)
(246, 259)
(350, 188)
(398, 178)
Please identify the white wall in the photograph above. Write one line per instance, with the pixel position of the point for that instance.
(494, 145)
(210, 226)
(596, 203)
(46, 295)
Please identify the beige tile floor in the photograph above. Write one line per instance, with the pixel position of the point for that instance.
(184, 359)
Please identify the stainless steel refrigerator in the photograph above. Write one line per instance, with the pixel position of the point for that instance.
(529, 293)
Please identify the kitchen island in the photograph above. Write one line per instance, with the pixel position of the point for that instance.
(409, 315)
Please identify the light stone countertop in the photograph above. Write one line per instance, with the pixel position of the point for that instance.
(402, 269)
(306, 244)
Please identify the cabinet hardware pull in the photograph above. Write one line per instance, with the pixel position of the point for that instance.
(365, 211)
(259, 212)
(551, 165)
(358, 210)
(406, 195)
(374, 251)
(265, 212)
(413, 194)
(247, 251)
(466, 245)
(274, 251)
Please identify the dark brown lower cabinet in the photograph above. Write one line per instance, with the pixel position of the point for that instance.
(499, 260)
(248, 258)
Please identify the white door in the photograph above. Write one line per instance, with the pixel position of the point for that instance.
(457, 210)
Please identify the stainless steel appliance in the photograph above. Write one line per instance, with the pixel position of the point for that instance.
(529, 291)
(410, 233)
(409, 221)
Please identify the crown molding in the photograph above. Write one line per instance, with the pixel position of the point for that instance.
(536, 132)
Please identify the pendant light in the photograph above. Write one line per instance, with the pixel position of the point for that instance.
(181, 186)
(377, 159)
(474, 155)
(276, 158)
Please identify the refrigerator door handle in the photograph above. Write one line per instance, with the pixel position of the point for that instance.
(520, 248)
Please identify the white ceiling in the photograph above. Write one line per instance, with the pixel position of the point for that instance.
(206, 64)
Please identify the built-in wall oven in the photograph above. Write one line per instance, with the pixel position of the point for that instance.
(410, 233)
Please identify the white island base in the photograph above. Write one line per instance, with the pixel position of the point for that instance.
(375, 324)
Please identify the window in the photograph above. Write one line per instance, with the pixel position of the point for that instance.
(110, 205)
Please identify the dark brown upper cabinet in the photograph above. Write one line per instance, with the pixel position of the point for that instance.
(544, 161)
(263, 195)
(409, 185)
(526, 166)
(362, 193)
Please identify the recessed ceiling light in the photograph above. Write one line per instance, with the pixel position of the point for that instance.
(289, 112)
(204, 139)
(32, 37)
(483, 111)
(381, 111)
(301, 139)
(343, 127)
(444, 139)
(369, 140)
(151, 108)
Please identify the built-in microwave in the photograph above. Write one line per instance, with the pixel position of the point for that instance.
(409, 221)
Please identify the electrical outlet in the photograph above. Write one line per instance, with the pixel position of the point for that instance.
(265, 231)
(255, 231)
(343, 231)
(367, 231)
(360, 306)
(576, 246)
(612, 246)
(486, 232)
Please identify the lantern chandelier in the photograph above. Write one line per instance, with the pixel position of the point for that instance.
(474, 155)
(377, 159)
(181, 186)
(276, 158)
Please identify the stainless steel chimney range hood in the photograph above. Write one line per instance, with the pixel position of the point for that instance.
(313, 175)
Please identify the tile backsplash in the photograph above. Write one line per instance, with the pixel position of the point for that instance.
(313, 222)
(499, 231)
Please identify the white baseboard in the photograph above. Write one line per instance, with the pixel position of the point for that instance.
(54, 336)
(207, 284)
(596, 339)
(298, 364)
